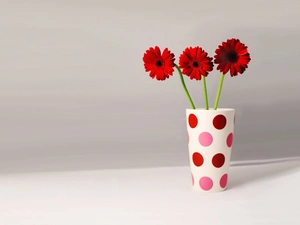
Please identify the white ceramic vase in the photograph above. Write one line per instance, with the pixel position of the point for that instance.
(210, 137)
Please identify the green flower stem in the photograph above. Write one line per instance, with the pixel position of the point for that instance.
(205, 92)
(184, 87)
(219, 91)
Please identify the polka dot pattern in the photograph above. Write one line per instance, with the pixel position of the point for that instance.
(206, 183)
(219, 122)
(210, 138)
(205, 139)
(218, 160)
(193, 121)
(198, 159)
(229, 140)
(223, 181)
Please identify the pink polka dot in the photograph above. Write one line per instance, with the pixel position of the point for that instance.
(223, 181)
(205, 139)
(206, 183)
(229, 140)
(193, 121)
(193, 180)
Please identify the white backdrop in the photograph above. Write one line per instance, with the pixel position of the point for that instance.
(74, 94)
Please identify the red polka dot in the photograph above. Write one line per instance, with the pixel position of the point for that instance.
(198, 159)
(223, 181)
(229, 140)
(219, 122)
(206, 183)
(193, 181)
(218, 160)
(193, 121)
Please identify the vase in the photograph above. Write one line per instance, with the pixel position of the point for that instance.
(210, 137)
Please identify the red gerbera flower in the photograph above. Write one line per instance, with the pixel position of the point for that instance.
(194, 62)
(159, 65)
(232, 55)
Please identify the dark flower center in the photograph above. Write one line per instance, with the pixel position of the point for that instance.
(195, 64)
(159, 63)
(232, 56)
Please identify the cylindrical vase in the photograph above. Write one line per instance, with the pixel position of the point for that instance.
(210, 137)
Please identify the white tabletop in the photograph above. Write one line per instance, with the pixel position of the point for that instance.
(261, 194)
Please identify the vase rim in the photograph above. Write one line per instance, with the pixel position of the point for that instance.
(211, 109)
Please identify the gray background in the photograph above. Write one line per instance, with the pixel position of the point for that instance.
(74, 94)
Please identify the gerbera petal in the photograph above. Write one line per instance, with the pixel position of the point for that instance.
(244, 59)
(149, 59)
(150, 54)
(193, 74)
(203, 72)
(197, 75)
(193, 52)
(187, 53)
(198, 52)
(207, 67)
(218, 50)
(238, 68)
(232, 70)
(187, 71)
(166, 75)
(203, 54)
(169, 70)
(184, 59)
(237, 47)
(226, 68)
(243, 51)
(149, 67)
(152, 73)
(166, 53)
(157, 51)
(160, 74)
(243, 69)
(217, 60)
(240, 47)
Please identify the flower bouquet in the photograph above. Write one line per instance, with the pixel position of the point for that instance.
(210, 130)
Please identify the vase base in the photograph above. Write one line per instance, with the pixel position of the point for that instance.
(212, 190)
